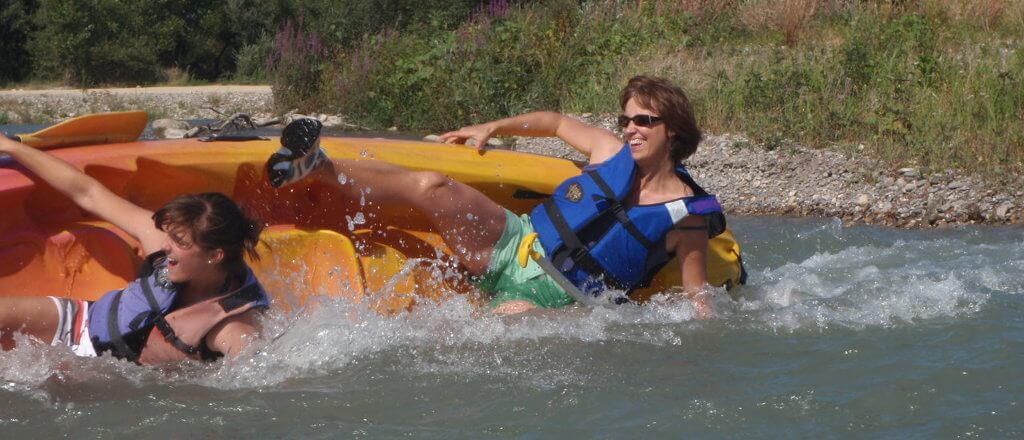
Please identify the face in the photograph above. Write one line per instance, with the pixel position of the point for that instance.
(185, 259)
(645, 142)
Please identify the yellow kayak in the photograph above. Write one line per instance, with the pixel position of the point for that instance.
(319, 243)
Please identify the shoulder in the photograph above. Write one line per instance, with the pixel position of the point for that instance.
(605, 148)
(233, 334)
(596, 142)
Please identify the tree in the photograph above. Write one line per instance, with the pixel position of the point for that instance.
(90, 42)
(15, 28)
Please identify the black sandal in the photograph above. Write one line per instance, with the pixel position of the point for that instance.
(299, 155)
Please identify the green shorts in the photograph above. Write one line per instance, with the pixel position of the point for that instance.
(508, 281)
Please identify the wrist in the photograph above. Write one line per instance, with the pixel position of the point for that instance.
(7, 144)
(491, 128)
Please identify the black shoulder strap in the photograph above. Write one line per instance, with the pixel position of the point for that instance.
(116, 338)
(162, 324)
(243, 296)
(619, 210)
(688, 180)
(171, 337)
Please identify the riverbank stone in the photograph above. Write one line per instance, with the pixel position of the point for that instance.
(169, 128)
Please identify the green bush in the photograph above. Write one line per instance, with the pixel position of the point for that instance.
(15, 28)
(503, 59)
(216, 32)
(90, 42)
(296, 63)
(102, 41)
(251, 60)
(368, 17)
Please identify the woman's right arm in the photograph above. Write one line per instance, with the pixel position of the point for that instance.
(597, 143)
(88, 193)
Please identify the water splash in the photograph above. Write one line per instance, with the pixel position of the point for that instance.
(857, 278)
(877, 285)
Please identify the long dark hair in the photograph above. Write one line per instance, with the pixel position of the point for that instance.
(215, 222)
(672, 105)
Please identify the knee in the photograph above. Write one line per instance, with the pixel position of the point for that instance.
(429, 185)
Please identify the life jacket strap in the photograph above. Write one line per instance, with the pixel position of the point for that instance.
(573, 247)
(619, 210)
(245, 295)
(169, 335)
(116, 338)
(162, 324)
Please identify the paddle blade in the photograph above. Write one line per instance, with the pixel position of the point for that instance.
(97, 128)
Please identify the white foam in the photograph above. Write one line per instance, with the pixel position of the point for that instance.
(847, 286)
(869, 286)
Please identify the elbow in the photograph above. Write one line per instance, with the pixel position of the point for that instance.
(85, 193)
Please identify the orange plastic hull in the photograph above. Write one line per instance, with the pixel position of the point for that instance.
(48, 246)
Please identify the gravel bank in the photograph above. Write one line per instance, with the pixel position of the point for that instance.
(748, 178)
(198, 102)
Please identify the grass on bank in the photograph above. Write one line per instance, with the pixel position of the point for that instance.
(169, 77)
(937, 84)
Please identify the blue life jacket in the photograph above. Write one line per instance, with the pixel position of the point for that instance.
(121, 320)
(599, 243)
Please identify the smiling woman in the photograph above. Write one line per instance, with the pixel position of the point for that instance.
(632, 210)
(194, 297)
(600, 237)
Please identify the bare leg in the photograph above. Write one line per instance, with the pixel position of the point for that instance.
(32, 315)
(468, 221)
(513, 307)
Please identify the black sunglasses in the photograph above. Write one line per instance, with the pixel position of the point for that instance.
(639, 120)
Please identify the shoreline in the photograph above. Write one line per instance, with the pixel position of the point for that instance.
(189, 102)
(748, 178)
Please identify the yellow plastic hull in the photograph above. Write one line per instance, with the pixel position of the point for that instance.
(48, 246)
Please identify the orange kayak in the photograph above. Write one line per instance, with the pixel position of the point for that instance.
(318, 243)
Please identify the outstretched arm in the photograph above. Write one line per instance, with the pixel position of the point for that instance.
(597, 143)
(88, 193)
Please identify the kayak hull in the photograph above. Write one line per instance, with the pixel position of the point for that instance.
(319, 242)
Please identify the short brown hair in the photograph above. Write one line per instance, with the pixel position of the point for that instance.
(672, 105)
(215, 222)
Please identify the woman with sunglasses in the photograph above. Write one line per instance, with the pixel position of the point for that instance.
(195, 298)
(608, 230)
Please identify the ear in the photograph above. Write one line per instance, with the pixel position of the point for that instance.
(215, 256)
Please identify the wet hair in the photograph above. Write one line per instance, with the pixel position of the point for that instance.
(214, 221)
(672, 105)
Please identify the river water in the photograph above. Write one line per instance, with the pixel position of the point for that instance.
(843, 332)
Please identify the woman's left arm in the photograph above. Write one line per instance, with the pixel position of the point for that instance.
(691, 248)
(232, 335)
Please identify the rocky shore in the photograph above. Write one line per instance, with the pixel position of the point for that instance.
(748, 178)
(196, 102)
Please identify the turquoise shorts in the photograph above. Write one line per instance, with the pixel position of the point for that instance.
(508, 281)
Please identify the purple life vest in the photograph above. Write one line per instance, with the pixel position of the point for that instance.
(121, 321)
